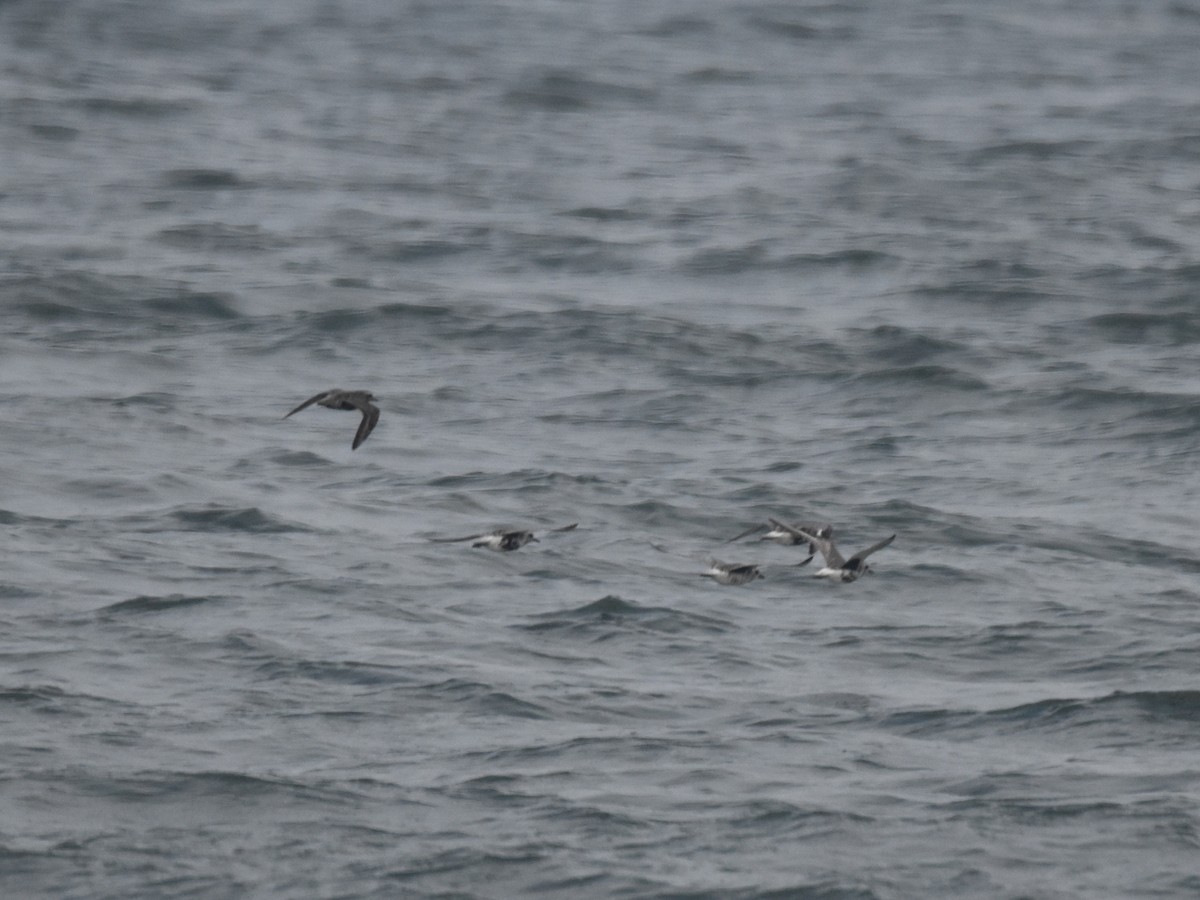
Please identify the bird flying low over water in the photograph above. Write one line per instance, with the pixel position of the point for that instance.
(503, 538)
(339, 399)
(788, 535)
(731, 573)
(836, 566)
(738, 573)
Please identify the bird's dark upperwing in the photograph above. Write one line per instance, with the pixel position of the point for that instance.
(454, 540)
(833, 559)
(366, 426)
(746, 533)
(863, 554)
(309, 402)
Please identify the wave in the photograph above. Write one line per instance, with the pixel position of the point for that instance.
(50, 698)
(527, 479)
(484, 699)
(1112, 717)
(851, 258)
(1128, 403)
(561, 90)
(227, 518)
(926, 376)
(361, 674)
(577, 253)
(604, 618)
(150, 604)
(74, 297)
(679, 26)
(412, 250)
(755, 256)
(604, 214)
(1033, 149)
(219, 237)
(143, 107)
(780, 818)
(693, 354)
(179, 786)
(203, 179)
(298, 459)
(1170, 329)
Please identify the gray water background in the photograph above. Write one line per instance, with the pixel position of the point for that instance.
(663, 269)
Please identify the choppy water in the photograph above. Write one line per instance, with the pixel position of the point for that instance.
(663, 269)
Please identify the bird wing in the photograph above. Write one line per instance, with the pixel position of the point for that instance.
(367, 425)
(863, 554)
(454, 540)
(790, 529)
(746, 533)
(309, 402)
(833, 559)
(813, 528)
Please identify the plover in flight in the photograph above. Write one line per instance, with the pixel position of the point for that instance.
(788, 537)
(731, 573)
(503, 538)
(339, 399)
(837, 567)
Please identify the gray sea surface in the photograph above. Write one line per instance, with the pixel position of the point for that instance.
(663, 269)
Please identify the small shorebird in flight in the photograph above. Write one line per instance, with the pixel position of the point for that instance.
(339, 399)
(503, 538)
(836, 566)
(788, 536)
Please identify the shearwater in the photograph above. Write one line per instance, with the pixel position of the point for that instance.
(336, 398)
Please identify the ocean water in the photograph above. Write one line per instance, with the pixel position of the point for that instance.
(663, 269)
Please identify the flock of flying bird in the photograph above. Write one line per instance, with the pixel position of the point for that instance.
(817, 537)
